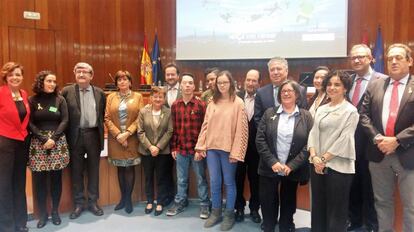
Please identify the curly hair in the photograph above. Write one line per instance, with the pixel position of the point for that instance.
(39, 84)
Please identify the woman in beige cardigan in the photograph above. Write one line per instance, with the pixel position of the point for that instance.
(223, 141)
(121, 112)
(154, 133)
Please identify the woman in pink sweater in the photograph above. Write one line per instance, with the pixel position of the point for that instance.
(223, 141)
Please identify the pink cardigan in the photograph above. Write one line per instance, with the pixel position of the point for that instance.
(225, 128)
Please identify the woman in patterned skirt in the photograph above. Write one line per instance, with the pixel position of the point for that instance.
(48, 147)
(121, 112)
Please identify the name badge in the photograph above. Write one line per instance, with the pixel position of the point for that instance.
(52, 109)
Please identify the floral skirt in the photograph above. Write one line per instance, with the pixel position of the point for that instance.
(41, 159)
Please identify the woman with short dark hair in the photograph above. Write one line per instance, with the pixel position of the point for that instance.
(332, 154)
(48, 153)
(121, 112)
(281, 141)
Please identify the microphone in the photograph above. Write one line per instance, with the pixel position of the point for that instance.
(305, 75)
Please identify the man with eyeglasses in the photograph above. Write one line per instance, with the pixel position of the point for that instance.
(361, 202)
(387, 118)
(85, 134)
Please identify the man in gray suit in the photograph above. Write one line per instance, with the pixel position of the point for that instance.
(387, 118)
(86, 106)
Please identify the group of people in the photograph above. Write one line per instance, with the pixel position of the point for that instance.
(352, 141)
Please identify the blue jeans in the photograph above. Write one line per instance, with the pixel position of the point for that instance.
(199, 167)
(219, 167)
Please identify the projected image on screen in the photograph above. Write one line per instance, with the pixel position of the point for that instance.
(246, 29)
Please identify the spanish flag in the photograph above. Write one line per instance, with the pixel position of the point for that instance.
(146, 66)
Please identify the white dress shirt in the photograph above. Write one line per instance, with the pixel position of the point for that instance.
(387, 99)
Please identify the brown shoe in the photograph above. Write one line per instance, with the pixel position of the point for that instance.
(76, 212)
(95, 209)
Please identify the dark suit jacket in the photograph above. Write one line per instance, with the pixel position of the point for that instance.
(264, 100)
(251, 146)
(361, 139)
(371, 121)
(298, 154)
(71, 94)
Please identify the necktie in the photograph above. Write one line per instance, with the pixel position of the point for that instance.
(276, 90)
(357, 91)
(393, 110)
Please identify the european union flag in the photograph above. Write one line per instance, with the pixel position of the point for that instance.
(157, 75)
(379, 53)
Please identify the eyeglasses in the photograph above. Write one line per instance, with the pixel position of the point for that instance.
(223, 82)
(396, 57)
(287, 91)
(79, 72)
(357, 57)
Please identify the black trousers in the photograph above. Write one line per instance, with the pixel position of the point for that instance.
(160, 167)
(249, 166)
(40, 180)
(269, 201)
(13, 208)
(361, 201)
(330, 197)
(88, 143)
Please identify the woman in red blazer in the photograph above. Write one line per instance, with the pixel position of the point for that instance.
(14, 117)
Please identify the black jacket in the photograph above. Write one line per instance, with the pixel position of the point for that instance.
(298, 155)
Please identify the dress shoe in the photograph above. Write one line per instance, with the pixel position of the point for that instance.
(255, 216)
(21, 229)
(353, 226)
(95, 209)
(239, 215)
(56, 218)
(120, 205)
(76, 212)
(158, 211)
(149, 210)
(128, 207)
(42, 222)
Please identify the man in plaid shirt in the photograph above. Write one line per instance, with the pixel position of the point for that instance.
(188, 116)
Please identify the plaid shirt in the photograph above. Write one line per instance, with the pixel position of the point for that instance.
(187, 120)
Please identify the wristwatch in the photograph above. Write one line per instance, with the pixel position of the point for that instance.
(323, 159)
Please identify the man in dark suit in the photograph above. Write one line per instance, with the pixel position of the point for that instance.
(266, 96)
(361, 202)
(251, 160)
(387, 118)
(85, 133)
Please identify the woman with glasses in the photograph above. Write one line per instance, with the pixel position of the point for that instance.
(281, 141)
(223, 142)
